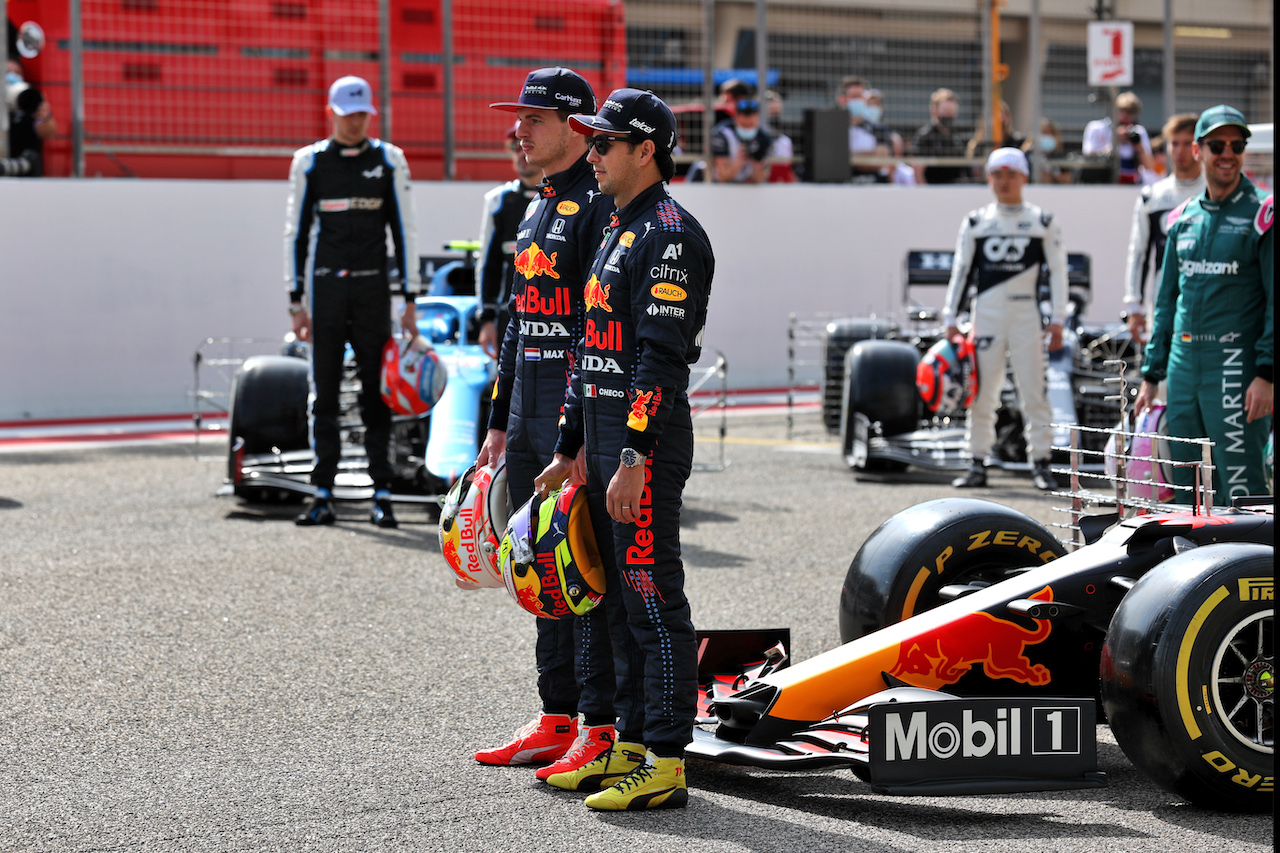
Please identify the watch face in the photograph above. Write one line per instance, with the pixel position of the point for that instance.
(629, 457)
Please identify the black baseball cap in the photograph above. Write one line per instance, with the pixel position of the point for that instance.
(553, 89)
(635, 113)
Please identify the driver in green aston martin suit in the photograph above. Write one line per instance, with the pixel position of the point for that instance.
(1213, 332)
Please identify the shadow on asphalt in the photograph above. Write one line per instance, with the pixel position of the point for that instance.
(840, 796)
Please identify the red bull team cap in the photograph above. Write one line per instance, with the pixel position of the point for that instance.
(553, 89)
(632, 112)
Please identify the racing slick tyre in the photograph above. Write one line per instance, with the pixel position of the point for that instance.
(880, 383)
(268, 410)
(901, 568)
(838, 337)
(1188, 676)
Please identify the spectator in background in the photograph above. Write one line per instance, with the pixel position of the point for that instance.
(851, 88)
(980, 146)
(1160, 158)
(1151, 220)
(31, 122)
(740, 146)
(1132, 145)
(1048, 144)
(939, 139)
(900, 174)
(781, 169)
(866, 135)
(504, 207)
(732, 91)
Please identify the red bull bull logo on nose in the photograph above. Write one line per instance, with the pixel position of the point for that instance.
(976, 639)
(534, 262)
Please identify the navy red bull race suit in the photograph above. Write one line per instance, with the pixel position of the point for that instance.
(646, 306)
(1213, 332)
(555, 243)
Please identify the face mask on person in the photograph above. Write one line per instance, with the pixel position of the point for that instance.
(1048, 144)
(858, 109)
(12, 77)
(874, 114)
(746, 134)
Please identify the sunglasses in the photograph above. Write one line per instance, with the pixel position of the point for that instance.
(748, 107)
(1217, 146)
(602, 143)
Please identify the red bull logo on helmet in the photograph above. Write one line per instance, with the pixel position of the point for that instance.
(535, 262)
(976, 639)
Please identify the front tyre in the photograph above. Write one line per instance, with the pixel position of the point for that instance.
(1188, 676)
(901, 568)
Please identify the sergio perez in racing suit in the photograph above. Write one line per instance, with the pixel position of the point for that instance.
(646, 308)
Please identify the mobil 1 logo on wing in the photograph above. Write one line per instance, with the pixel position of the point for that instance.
(966, 746)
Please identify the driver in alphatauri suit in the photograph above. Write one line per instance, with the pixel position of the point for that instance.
(646, 307)
(999, 253)
(346, 193)
(555, 243)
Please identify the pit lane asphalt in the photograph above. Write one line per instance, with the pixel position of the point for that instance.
(184, 672)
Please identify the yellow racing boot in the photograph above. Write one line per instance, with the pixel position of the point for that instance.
(611, 766)
(658, 784)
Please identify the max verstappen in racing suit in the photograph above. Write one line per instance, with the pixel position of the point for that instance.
(346, 193)
(1213, 334)
(1000, 251)
(504, 208)
(555, 243)
(1151, 219)
(646, 304)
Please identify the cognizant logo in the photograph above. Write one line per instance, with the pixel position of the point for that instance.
(1190, 267)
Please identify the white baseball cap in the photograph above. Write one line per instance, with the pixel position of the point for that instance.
(1008, 158)
(351, 95)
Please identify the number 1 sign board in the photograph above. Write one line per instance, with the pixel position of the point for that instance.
(1110, 53)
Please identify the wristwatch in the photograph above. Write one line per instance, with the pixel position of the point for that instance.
(630, 457)
(295, 308)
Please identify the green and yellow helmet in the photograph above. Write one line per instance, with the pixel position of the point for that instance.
(549, 559)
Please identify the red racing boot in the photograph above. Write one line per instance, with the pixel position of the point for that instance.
(591, 742)
(542, 740)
